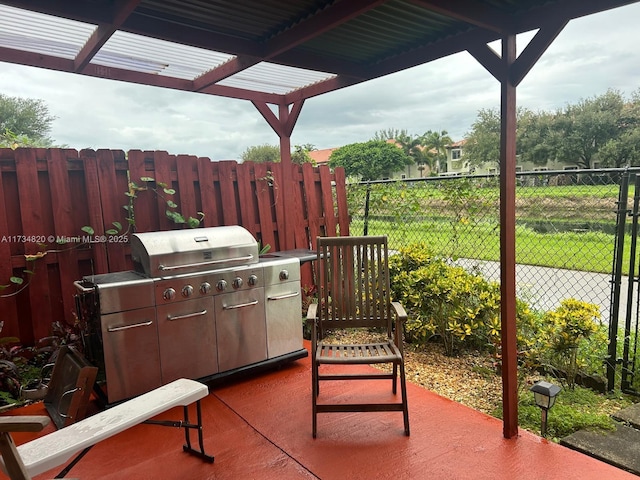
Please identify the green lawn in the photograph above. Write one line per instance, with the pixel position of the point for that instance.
(588, 251)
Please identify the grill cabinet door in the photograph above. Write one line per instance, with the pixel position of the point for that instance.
(131, 353)
(284, 318)
(241, 330)
(187, 332)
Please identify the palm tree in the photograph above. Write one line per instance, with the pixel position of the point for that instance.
(437, 141)
(414, 148)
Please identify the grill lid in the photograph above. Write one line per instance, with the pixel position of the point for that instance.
(176, 252)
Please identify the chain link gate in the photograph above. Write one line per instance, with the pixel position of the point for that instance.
(632, 307)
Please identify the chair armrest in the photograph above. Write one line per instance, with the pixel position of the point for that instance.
(400, 312)
(401, 319)
(23, 423)
(312, 314)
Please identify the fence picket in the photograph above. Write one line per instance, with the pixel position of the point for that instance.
(38, 325)
(187, 176)
(245, 197)
(8, 305)
(65, 225)
(144, 201)
(208, 193)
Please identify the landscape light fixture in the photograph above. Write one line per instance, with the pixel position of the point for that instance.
(544, 394)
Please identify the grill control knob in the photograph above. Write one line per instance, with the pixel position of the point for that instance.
(187, 291)
(205, 288)
(221, 285)
(284, 274)
(237, 282)
(252, 280)
(169, 294)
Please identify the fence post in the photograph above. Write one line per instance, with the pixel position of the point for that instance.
(365, 231)
(627, 372)
(616, 279)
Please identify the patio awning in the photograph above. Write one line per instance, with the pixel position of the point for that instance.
(276, 51)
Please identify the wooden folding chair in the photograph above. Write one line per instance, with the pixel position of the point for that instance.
(353, 292)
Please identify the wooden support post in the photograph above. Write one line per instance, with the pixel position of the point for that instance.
(283, 126)
(508, 240)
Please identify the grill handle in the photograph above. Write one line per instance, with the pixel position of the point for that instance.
(165, 268)
(127, 327)
(171, 318)
(240, 305)
(282, 297)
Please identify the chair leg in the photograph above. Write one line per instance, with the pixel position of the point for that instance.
(405, 403)
(394, 385)
(11, 457)
(314, 396)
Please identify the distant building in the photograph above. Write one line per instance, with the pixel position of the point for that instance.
(321, 157)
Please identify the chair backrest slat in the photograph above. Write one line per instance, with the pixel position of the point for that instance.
(353, 279)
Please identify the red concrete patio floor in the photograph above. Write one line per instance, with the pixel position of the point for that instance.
(260, 428)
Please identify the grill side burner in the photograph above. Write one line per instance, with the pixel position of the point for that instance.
(153, 325)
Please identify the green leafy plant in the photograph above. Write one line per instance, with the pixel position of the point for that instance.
(565, 330)
(163, 191)
(444, 300)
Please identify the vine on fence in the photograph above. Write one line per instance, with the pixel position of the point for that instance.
(161, 190)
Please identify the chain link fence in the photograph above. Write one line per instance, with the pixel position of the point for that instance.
(565, 227)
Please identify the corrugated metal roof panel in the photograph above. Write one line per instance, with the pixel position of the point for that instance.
(40, 33)
(271, 78)
(144, 54)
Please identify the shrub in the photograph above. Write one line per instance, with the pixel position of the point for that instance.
(566, 331)
(444, 300)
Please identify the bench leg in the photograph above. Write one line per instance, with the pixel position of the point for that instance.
(187, 447)
(187, 432)
(73, 463)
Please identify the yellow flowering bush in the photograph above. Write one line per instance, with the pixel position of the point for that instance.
(444, 300)
(565, 330)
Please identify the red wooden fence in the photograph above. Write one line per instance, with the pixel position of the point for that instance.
(48, 195)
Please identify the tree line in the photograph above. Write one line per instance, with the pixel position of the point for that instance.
(602, 130)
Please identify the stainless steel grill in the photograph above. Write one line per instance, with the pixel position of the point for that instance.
(200, 304)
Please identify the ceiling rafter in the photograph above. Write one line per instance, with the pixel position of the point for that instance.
(283, 42)
(469, 11)
(122, 10)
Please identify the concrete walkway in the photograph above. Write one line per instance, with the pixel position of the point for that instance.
(544, 287)
(620, 447)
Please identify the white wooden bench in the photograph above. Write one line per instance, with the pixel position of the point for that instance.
(54, 449)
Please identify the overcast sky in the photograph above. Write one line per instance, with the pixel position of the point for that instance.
(591, 55)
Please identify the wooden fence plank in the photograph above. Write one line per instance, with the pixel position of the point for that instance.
(312, 202)
(94, 203)
(228, 192)
(341, 201)
(8, 305)
(187, 176)
(39, 325)
(278, 203)
(145, 202)
(327, 201)
(207, 193)
(265, 202)
(112, 198)
(295, 209)
(162, 162)
(65, 225)
(246, 198)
